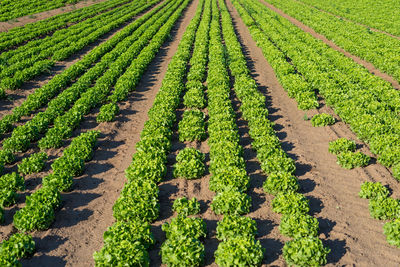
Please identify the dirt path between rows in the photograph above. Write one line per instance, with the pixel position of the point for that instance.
(17, 97)
(349, 20)
(87, 210)
(18, 22)
(345, 224)
(369, 66)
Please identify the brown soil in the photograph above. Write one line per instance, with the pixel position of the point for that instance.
(7, 25)
(16, 97)
(87, 209)
(369, 66)
(346, 226)
(343, 18)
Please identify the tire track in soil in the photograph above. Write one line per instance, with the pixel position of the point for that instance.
(87, 210)
(345, 224)
(16, 97)
(369, 66)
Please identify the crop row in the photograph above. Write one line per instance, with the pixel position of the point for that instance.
(11, 9)
(59, 82)
(375, 47)
(227, 166)
(77, 95)
(26, 62)
(144, 49)
(380, 15)
(19, 35)
(138, 204)
(306, 248)
(39, 211)
(367, 103)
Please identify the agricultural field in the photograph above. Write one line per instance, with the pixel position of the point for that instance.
(199, 133)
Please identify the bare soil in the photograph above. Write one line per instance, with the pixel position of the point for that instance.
(21, 21)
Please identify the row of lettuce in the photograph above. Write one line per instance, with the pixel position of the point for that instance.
(29, 60)
(120, 54)
(362, 100)
(374, 14)
(19, 35)
(375, 47)
(138, 204)
(138, 44)
(14, 9)
(40, 208)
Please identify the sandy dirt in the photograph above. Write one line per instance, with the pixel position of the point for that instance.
(16, 97)
(7, 25)
(87, 209)
(346, 226)
(369, 66)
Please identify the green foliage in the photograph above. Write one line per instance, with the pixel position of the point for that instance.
(6, 156)
(372, 190)
(107, 112)
(125, 237)
(384, 208)
(298, 225)
(124, 252)
(194, 96)
(232, 226)
(184, 206)
(9, 184)
(396, 171)
(19, 245)
(280, 182)
(239, 251)
(138, 200)
(183, 251)
(322, 119)
(192, 126)
(34, 163)
(305, 251)
(290, 203)
(189, 164)
(183, 226)
(392, 232)
(231, 202)
(229, 177)
(350, 160)
(341, 145)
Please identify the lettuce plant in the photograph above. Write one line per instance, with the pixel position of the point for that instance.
(184, 206)
(107, 112)
(280, 182)
(239, 251)
(372, 190)
(234, 226)
(192, 126)
(341, 145)
(298, 225)
(33, 164)
(290, 203)
(184, 251)
(392, 232)
(384, 208)
(189, 164)
(396, 171)
(183, 226)
(322, 119)
(305, 251)
(231, 202)
(350, 160)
